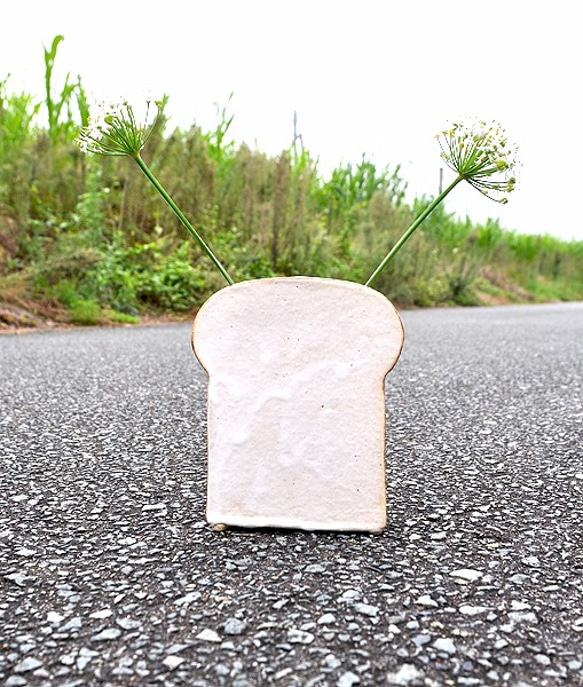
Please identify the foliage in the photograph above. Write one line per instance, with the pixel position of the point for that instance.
(89, 236)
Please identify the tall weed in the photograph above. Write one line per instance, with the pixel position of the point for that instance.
(89, 233)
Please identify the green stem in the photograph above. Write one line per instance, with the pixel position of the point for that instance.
(428, 210)
(178, 212)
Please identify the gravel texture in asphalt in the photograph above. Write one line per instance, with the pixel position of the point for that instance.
(109, 574)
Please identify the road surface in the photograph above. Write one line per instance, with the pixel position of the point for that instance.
(109, 574)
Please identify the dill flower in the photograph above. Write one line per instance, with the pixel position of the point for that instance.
(482, 155)
(115, 130)
(479, 154)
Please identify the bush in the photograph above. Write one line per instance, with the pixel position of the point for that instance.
(91, 235)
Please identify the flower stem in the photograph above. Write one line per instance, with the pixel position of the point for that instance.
(428, 210)
(178, 212)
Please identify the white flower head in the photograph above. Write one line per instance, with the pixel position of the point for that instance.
(114, 129)
(481, 154)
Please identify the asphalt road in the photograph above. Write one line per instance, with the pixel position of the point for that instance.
(109, 574)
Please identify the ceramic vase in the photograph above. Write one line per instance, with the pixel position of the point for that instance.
(296, 403)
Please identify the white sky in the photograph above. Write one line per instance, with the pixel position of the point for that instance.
(379, 77)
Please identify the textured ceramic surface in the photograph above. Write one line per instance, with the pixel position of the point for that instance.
(296, 404)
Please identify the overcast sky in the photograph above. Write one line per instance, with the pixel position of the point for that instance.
(366, 76)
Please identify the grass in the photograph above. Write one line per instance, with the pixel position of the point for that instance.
(85, 312)
(120, 317)
(87, 241)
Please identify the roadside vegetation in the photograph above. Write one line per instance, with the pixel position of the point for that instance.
(85, 240)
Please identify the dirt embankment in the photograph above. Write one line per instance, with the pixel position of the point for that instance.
(29, 317)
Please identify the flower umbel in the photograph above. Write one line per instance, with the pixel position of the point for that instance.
(115, 131)
(479, 154)
(482, 155)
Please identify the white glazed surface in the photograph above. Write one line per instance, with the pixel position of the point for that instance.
(296, 406)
